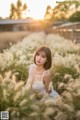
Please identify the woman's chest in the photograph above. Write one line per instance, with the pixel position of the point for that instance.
(38, 83)
(37, 78)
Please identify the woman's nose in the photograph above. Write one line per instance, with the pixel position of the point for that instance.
(39, 57)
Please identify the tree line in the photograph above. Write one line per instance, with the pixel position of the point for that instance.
(66, 10)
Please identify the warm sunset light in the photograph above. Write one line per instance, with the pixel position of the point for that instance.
(36, 8)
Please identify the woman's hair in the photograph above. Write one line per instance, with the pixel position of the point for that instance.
(47, 51)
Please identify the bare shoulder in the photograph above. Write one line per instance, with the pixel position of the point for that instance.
(31, 68)
(47, 74)
(47, 77)
(31, 65)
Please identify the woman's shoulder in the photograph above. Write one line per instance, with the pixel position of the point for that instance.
(46, 73)
(31, 67)
(47, 76)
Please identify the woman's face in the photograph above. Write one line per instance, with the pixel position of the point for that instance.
(40, 58)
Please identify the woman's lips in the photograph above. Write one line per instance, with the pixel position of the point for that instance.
(38, 62)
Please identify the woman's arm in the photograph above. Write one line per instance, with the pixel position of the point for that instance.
(47, 80)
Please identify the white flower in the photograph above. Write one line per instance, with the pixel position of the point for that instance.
(18, 86)
(34, 114)
(67, 76)
(78, 114)
(49, 111)
(17, 96)
(35, 107)
(23, 102)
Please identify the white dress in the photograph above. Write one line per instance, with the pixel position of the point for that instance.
(38, 84)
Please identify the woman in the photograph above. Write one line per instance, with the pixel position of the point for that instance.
(39, 78)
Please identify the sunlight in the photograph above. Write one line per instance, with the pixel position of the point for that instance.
(35, 9)
(33, 14)
(36, 15)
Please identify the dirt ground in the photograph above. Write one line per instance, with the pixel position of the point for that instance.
(14, 37)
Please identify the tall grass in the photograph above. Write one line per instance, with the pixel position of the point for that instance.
(65, 71)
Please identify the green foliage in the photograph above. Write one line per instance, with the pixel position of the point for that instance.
(71, 95)
(18, 101)
(76, 101)
(12, 98)
(58, 73)
(75, 17)
(62, 10)
(21, 72)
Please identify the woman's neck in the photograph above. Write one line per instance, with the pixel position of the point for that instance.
(39, 68)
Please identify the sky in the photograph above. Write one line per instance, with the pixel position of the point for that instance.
(35, 9)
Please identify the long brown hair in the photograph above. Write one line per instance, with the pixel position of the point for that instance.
(47, 51)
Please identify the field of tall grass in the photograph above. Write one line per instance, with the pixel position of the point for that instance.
(65, 73)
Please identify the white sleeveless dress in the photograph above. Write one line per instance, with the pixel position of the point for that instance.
(38, 84)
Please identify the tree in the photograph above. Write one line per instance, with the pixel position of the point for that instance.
(12, 13)
(75, 17)
(16, 11)
(63, 10)
(48, 12)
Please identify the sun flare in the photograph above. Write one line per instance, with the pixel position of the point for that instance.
(33, 14)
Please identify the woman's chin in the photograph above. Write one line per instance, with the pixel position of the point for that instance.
(37, 63)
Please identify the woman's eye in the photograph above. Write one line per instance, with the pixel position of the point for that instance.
(43, 56)
(37, 54)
